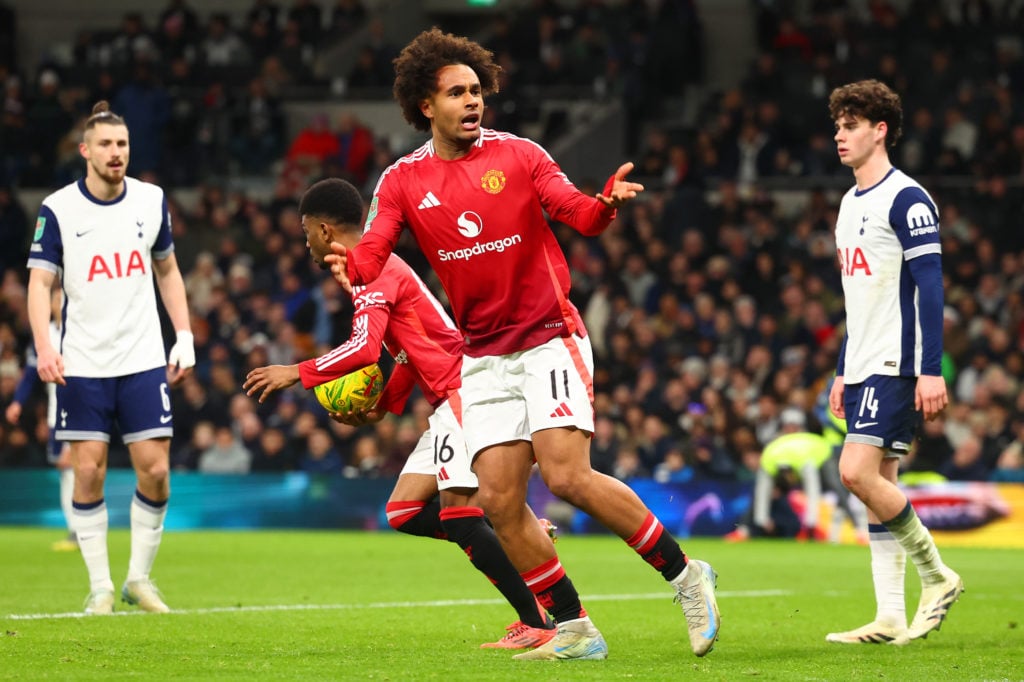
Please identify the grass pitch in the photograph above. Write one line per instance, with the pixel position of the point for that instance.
(382, 606)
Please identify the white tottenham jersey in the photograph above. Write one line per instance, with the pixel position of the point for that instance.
(879, 230)
(106, 251)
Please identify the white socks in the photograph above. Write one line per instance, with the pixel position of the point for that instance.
(888, 570)
(89, 521)
(918, 544)
(67, 489)
(147, 520)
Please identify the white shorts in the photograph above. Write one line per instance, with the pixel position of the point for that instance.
(509, 397)
(441, 451)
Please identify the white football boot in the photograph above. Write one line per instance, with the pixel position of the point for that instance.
(99, 603)
(935, 603)
(695, 593)
(143, 593)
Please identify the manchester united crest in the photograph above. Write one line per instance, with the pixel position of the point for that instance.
(493, 181)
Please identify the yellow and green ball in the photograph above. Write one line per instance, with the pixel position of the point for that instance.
(357, 391)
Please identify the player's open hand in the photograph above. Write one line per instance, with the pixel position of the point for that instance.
(621, 190)
(930, 396)
(358, 417)
(338, 260)
(266, 380)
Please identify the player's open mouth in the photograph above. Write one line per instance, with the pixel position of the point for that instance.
(470, 122)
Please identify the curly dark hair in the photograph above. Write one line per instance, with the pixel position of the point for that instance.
(336, 200)
(870, 99)
(417, 65)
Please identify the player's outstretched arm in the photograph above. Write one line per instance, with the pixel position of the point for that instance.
(338, 260)
(266, 380)
(621, 190)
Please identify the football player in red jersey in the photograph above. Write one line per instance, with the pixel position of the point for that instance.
(397, 311)
(476, 199)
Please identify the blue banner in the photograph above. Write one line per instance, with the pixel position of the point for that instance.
(300, 500)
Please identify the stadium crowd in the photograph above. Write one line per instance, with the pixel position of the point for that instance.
(714, 305)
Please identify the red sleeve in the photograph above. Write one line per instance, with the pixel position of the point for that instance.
(564, 202)
(397, 390)
(384, 224)
(362, 348)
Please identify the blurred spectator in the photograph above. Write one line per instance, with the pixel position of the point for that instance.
(222, 50)
(307, 17)
(132, 44)
(628, 465)
(368, 71)
(14, 232)
(355, 150)
(145, 105)
(273, 453)
(264, 11)
(346, 17)
(14, 143)
(46, 121)
(295, 53)
(227, 455)
(257, 129)
(179, 13)
(181, 162)
(321, 457)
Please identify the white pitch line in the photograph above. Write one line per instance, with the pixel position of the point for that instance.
(386, 605)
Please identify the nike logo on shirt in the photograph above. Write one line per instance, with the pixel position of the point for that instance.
(860, 425)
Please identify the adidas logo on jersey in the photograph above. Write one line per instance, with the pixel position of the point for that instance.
(429, 201)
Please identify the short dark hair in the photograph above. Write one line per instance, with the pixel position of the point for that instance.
(417, 65)
(336, 200)
(870, 99)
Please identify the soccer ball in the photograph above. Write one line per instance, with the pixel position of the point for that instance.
(356, 391)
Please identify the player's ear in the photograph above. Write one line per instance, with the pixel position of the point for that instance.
(883, 130)
(426, 109)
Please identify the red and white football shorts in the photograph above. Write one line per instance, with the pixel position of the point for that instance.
(508, 397)
(441, 451)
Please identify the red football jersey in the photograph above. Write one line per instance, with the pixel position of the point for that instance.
(480, 222)
(399, 311)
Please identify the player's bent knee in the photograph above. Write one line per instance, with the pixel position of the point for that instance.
(855, 481)
(567, 486)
